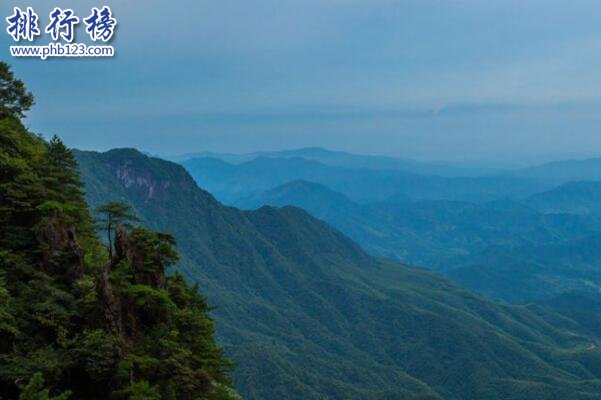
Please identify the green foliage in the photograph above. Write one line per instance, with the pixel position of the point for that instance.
(98, 353)
(116, 213)
(72, 323)
(7, 320)
(157, 247)
(14, 98)
(146, 296)
(34, 390)
(142, 391)
(21, 187)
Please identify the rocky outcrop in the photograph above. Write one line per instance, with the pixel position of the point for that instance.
(61, 251)
(123, 316)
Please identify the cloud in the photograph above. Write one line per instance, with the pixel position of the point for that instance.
(364, 69)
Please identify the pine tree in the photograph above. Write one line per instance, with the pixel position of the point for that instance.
(14, 98)
(110, 216)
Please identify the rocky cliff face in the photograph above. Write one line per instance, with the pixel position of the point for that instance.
(61, 252)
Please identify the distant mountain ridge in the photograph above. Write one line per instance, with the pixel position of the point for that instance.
(308, 315)
(582, 197)
(319, 200)
(230, 182)
(561, 170)
(555, 172)
(350, 160)
(564, 171)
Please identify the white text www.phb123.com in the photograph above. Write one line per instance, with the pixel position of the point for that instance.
(62, 50)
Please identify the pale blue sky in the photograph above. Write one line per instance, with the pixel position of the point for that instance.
(445, 80)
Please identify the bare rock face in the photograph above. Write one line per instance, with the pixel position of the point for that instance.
(132, 179)
(61, 250)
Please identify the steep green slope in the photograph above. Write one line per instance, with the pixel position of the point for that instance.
(75, 322)
(307, 315)
(583, 307)
(429, 233)
(533, 271)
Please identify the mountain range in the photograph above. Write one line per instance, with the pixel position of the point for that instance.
(461, 226)
(230, 182)
(232, 176)
(307, 314)
(350, 160)
(444, 228)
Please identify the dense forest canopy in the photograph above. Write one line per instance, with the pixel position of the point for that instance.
(79, 320)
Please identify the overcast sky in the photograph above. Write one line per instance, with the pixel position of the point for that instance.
(439, 80)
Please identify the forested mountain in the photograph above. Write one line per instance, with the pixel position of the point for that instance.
(317, 199)
(533, 271)
(306, 314)
(427, 233)
(503, 249)
(76, 321)
(230, 182)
